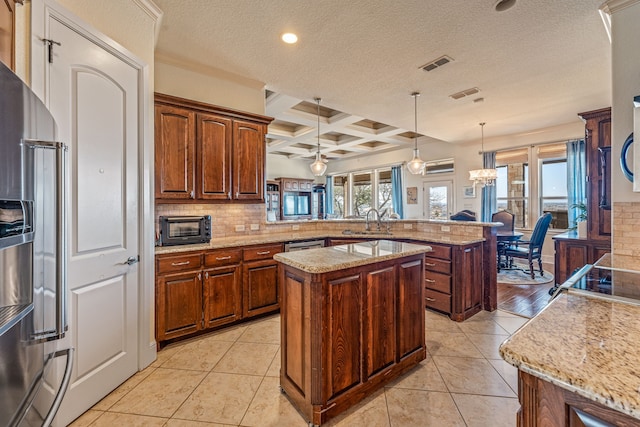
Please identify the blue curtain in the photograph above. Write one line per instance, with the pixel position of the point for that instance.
(328, 196)
(396, 190)
(576, 177)
(489, 204)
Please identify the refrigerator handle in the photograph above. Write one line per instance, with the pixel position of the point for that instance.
(63, 386)
(61, 235)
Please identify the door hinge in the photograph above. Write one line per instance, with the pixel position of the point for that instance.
(50, 44)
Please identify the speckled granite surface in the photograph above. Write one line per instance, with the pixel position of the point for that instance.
(584, 344)
(218, 243)
(323, 260)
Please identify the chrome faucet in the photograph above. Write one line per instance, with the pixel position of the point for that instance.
(367, 227)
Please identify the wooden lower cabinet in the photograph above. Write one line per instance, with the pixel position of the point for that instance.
(178, 304)
(347, 333)
(572, 253)
(208, 289)
(546, 404)
(454, 280)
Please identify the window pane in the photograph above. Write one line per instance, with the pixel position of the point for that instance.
(339, 183)
(362, 197)
(438, 202)
(554, 192)
(501, 182)
(384, 191)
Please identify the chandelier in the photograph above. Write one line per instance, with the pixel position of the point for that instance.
(483, 176)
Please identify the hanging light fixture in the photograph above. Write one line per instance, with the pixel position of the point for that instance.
(318, 167)
(483, 176)
(416, 165)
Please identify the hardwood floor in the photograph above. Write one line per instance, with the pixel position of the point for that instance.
(523, 300)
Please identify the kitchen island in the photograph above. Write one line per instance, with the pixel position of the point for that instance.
(578, 363)
(352, 319)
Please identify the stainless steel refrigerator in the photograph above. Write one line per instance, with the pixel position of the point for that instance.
(33, 296)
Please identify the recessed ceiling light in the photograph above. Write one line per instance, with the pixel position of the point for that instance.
(502, 5)
(289, 38)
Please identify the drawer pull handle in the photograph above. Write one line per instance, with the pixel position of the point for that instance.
(263, 253)
(430, 299)
(430, 280)
(176, 264)
(222, 258)
(428, 264)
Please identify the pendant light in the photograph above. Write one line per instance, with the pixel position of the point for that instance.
(483, 176)
(319, 167)
(416, 165)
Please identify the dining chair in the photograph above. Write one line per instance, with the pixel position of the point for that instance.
(531, 249)
(506, 218)
(463, 216)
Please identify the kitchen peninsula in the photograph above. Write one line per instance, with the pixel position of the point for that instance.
(352, 319)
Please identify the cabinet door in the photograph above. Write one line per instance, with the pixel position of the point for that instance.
(178, 304)
(380, 319)
(222, 291)
(174, 152)
(410, 308)
(7, 32)
(260, 283)
(570, 255)
(248, 161)
(468, 280)
(213, 171)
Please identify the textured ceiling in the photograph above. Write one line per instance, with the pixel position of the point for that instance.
(536, 65)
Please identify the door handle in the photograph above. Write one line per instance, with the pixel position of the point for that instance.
(132, 260)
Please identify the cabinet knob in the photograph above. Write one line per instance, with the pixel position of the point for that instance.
(428, 264)
(263, 253)
(430, 299)
(176, 264)
(222, 258)
(430, 280)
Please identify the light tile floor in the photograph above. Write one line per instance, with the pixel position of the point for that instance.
(230, 378)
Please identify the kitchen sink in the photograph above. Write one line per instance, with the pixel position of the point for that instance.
(348, 232)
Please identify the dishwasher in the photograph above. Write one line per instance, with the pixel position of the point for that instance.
(304, 244)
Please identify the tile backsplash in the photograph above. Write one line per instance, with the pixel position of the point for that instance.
(626, 228)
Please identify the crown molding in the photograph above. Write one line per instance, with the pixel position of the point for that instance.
(613, 6)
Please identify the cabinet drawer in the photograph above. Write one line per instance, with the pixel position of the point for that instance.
(437, 301)
(439, 265)
(178, 263)
(437, 281)
(261, 252)
(222, 257)
(439, 251)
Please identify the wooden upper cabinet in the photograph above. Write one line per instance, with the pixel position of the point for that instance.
(248, 160)
(205, 152)
(174, 152)
(214, 157)
(8, 32)
(598, 156)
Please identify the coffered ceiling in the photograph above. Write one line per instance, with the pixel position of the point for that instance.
(532, 66)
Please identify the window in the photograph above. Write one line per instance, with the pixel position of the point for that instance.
(356, 192)
(438, 200)
(529, 192)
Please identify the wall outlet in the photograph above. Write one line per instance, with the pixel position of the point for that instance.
(239, 227)
(445, 228)
(255, 227)
(408, 226)
(295, 227)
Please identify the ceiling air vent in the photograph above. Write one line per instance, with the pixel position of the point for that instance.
(464, 93)
(444, 59)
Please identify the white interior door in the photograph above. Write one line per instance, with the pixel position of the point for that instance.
(93, 96)
(438, 199)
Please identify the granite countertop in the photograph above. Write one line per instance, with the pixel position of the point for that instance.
(332, 258)
(257, 239)
(586, 344)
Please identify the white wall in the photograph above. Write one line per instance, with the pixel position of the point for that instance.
(280, 166)
(209, 85)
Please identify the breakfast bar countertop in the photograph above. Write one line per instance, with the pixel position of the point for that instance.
(586, 344)
(332, 258)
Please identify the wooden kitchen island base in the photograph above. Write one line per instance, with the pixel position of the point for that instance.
(352, 320)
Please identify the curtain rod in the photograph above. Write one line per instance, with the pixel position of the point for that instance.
(538, 144)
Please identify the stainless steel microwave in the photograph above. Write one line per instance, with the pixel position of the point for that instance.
(185, 230)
